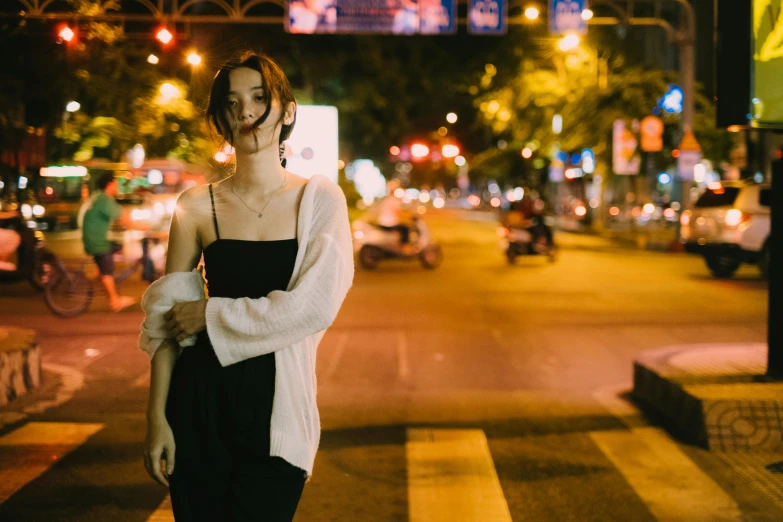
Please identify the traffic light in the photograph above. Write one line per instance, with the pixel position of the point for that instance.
(163, 35)
(65, 33)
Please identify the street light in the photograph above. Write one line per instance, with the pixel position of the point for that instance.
(168, 92)
(568, 42)
(451, 117)
(153, 59)
(531, 13)
(587, 14)
(73, 106)
(194, 59)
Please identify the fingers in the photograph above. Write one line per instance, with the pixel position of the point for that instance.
(153, 465)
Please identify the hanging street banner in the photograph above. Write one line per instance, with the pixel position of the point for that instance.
(625, 158)
(565, 16)
(371, 16)
(488, 17)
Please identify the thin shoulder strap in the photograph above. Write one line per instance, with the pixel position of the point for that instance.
(214, 214)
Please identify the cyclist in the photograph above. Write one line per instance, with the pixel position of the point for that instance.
(102, 209)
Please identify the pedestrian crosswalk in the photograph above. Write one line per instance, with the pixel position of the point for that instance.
(43, 444)
(451, 474)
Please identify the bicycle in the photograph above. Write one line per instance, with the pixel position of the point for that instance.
(72, 292)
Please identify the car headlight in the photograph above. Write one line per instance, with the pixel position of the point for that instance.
(38, 210)
(27, 211)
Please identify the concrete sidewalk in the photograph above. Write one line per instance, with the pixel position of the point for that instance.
(712, 395)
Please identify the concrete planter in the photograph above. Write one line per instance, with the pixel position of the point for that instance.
(20, 363)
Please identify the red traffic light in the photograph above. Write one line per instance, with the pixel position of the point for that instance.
(65, 33)
(164, 36)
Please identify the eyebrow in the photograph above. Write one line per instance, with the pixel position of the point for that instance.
(257, 88)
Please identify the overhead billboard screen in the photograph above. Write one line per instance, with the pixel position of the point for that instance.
(767, 103)
(402, 17)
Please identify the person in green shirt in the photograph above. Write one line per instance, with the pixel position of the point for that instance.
(102, 210)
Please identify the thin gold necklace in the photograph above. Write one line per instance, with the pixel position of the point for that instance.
(259, 212)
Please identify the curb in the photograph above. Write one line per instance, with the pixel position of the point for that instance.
(713, 400)
(20, 363)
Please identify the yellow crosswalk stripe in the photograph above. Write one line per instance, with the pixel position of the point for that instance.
(672, 486)
(42, 444)
(452, 478)
(163, 513)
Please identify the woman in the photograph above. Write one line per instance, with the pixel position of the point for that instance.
(233, 426)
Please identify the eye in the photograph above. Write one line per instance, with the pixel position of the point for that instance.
(260, 98)
(231, 103)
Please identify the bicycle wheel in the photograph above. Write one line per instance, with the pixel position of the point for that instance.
(70, 294)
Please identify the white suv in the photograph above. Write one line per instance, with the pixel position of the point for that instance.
(729, 225)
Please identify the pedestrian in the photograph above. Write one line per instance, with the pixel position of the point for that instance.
(99, 213)
(232, 421)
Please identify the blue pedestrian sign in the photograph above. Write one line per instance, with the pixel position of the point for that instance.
(565, 16)
(488, 17)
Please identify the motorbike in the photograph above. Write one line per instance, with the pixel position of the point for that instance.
(374, 244)
(522, 242)
(34, 262)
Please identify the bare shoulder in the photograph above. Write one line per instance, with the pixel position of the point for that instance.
(295, 182)
(193, 197)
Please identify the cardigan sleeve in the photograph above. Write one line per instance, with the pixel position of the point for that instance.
(244, 328)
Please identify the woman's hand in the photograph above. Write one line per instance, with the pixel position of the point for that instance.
(186, 318)
(159, 450)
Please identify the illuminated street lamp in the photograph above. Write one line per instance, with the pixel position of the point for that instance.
(194, 59)
(394, 150)
(73, 106)
(587, 14)
(168, 92)
(531, 13)
(451, 117)
(460, 161)
(153, 59)
(569, 42)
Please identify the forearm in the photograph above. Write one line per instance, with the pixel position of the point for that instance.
(162, 365)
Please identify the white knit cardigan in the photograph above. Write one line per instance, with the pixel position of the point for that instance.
(291, 323)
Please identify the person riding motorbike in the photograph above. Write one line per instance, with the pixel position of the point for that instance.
(528, 215)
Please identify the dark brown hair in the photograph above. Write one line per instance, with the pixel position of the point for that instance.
(275, 84)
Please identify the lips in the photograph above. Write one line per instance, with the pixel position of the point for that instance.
(248, 129)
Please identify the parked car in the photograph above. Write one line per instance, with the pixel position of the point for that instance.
(730, 225)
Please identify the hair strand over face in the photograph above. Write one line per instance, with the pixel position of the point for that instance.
(275, 84)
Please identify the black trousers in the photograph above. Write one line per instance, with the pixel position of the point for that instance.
(221, 419)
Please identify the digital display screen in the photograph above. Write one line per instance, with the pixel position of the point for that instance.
(403, 17)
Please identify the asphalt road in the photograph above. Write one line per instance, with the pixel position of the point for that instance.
(477, 392)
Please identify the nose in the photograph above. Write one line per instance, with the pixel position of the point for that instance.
(245, 113)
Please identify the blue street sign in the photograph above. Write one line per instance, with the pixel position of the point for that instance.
(488, 17)
(565, 16)
(672, 100)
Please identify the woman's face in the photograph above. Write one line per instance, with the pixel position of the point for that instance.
(247, 102)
